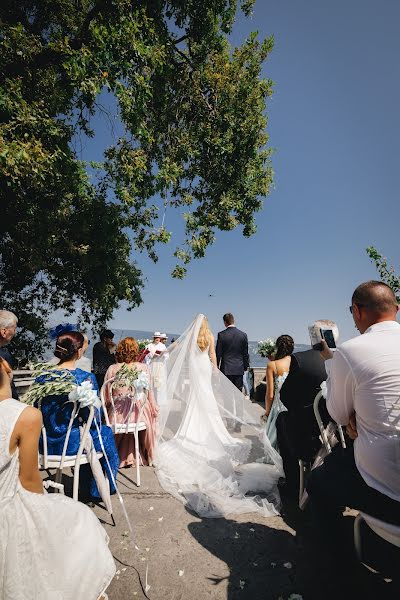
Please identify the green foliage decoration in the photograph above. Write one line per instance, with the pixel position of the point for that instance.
(194, 141)
(53, 382)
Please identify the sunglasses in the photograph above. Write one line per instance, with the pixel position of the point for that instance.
(359, 306)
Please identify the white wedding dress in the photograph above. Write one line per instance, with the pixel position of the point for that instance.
(197, 460)
(51, 547)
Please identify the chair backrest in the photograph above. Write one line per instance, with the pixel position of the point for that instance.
(83, 436)
(135, 398)
(387, 531)
(322, 429)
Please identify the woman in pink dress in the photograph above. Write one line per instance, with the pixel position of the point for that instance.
(126, 354)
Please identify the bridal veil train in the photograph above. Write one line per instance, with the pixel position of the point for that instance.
(197, 459)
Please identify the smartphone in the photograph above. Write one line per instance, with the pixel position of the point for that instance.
(327, 335)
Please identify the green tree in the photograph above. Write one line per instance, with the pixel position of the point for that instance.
(193, 113)
(386, 272)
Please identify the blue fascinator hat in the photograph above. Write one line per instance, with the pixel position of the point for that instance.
(62, 328)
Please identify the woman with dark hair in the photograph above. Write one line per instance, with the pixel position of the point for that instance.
(126, 354)
(277, 371)
(50, 545)
(56, 411)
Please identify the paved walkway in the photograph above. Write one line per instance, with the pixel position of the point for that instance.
(243, 558)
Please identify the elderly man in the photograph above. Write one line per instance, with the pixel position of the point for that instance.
(364, 394)
(8, 329)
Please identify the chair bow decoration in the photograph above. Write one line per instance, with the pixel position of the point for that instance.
(142, 382)
(85, 395)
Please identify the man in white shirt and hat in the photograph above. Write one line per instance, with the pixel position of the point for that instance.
(363, 394)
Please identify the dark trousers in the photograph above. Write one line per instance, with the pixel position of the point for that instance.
(297, 439)
(337, 484)
(237, 381)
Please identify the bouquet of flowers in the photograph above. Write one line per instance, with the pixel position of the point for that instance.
(266, 348)
(143, 343)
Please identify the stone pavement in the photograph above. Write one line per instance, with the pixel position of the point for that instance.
(243, 558)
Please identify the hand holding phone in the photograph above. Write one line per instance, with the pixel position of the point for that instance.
(327, 335)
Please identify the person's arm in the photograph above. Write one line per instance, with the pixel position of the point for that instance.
(270, 391)
(219, 350)
(212, 354)
(340, 389)
(29, 427)
(246, 360)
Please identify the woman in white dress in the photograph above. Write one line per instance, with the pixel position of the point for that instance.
(197, 459)
(51, 547)
(277, 371)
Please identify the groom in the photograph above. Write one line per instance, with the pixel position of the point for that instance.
(232, 352)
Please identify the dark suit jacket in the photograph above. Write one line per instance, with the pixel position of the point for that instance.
(232, 351)
(306, 373)
(4, 353)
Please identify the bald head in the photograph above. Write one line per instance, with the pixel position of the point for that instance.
(376, 297)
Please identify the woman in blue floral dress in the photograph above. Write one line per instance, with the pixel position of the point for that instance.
(56, 411)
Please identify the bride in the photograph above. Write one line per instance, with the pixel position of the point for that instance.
(197, 460)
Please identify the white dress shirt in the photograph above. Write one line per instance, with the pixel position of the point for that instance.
(364, 378)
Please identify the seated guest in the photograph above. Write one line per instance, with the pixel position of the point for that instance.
(277, 371)
(363, 393)
(8, 328)
(103, 355)
(51, 546)
(297, 428)
(56, 411)
(83, 362)
(126, 354)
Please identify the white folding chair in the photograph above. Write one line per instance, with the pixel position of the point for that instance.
(63, 461)
(325, 441)
(128, 426)
(388, 532)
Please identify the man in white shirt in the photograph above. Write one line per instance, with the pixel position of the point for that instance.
(363, 388)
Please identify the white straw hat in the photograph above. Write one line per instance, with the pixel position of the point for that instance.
(164, 336)
(157, 334)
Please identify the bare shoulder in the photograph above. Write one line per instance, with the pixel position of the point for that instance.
(271, 366)
(30, 418)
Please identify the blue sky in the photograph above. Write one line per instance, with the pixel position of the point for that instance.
(334, 123)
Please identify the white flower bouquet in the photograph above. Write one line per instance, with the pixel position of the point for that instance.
(266, 348)
(143, 343)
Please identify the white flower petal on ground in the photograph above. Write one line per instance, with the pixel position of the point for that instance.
(287, 565)
(242, 583)
(181, 572)
(236, 536)
(160, 519)
(151, 508)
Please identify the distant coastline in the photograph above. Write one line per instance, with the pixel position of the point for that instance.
(255, 359)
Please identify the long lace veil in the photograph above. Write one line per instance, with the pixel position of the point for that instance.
(210, 436)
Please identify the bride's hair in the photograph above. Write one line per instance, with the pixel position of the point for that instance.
(204, 338)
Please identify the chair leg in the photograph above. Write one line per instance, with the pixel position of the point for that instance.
(301, 479)
(58, 478)
(137, 458)
(357, 535)
(75, 493)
